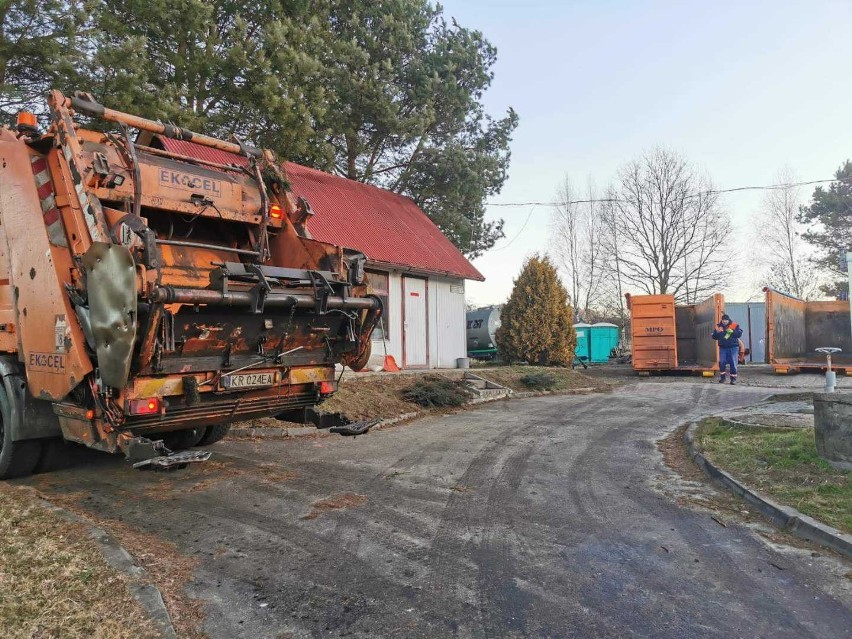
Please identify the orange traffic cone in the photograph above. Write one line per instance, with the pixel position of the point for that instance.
(389, 365)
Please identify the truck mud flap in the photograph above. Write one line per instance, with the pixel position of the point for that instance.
(173, 461)
(334, 422)
(146, 454)
(354, 428)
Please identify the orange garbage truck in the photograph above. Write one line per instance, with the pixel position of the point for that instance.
(148, 300)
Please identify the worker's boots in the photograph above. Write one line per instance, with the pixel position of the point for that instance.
(722, 378)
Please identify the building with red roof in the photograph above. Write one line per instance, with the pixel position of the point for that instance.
(414, 267)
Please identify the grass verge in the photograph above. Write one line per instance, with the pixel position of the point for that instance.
(54, 581)
(782, 464)
(383, 396)
(528, 378)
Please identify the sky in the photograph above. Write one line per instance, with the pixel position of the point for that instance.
(740, 89)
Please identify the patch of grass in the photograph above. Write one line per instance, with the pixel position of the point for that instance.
(54, 581)
(434, 391)
(540, 381)
(784, 465)
(563, 378)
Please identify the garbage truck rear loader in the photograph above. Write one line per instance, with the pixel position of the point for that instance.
(148, 297)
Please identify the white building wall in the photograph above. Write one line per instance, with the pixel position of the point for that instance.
(445, 317)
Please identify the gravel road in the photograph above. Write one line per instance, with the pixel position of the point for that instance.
(541, 517)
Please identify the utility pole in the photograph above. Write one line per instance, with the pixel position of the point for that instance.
(849, 275)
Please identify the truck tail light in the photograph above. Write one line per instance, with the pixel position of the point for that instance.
(150, 406)
(326, 388)
(276, 212)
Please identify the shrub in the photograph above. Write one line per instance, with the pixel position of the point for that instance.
(539, 381)
(536, 321)
(435, 391)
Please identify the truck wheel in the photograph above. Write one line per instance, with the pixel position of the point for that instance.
(361, 361)
(16, 458)
(214, 434)
(183, 439)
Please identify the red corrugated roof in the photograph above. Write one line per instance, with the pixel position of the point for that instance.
(386, 227)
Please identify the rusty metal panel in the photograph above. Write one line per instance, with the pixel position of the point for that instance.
(685, 331)
(167, 184)
(785, 319)
(311, 374)
(827, 324)
(707, 314)
(796, 328)
(53, 348)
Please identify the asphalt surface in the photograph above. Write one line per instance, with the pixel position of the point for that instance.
(540, 517)
(760, 375)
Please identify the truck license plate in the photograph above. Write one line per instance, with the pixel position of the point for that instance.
(248, 380)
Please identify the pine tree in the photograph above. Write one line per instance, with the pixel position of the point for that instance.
(536, 322)
(389, 93)
(831, 225)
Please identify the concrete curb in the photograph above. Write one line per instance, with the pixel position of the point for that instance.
(586, 390)
(143, 591)
(782, 516)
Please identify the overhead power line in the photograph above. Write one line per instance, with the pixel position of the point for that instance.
(518, 234)
(767, 187)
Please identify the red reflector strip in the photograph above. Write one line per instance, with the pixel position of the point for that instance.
(149, 406)
(326, 388)
(276, 212)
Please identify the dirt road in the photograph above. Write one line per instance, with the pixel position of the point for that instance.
(543, 517)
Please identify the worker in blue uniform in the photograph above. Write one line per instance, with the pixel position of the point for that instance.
(728, 334)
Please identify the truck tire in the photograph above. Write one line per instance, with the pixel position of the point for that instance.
(16, 458)
(183, 439)
(214, 434)
(363, 358)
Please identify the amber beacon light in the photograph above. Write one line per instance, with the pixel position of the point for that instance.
(27, 122)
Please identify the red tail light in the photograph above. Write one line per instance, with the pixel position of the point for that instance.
(326, 388)
(150, 406)
(276, 212)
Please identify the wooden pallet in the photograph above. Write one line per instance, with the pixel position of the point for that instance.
(703, 372)
(778, 369)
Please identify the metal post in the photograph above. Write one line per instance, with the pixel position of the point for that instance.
(849, 274)
(830, 375)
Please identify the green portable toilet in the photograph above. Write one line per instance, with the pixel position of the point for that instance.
(583, 348)
(602, 339)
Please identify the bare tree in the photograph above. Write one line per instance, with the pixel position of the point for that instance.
(613, 302)
(670, 228)
(782, 256)
(577, 246)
